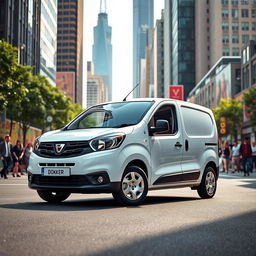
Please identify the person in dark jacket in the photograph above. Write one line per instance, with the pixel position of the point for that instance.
(246, 154)
(5, 155)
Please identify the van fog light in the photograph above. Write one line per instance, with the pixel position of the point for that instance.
(100, 179)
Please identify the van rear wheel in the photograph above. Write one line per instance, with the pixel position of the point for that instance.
(134, 187)
(208, 185)
(53, 197)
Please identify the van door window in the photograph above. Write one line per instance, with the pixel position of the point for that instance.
(168, 113)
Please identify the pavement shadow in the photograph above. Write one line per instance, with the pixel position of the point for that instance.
(211, 239)
(249, 184)
(91, 204)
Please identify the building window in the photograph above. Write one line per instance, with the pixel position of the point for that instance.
(245, 13)
(253, 13)
(234, 2)
(224, 2)
(245, 39)
(234, 13)
(225, 39)
(254, 74)
(225, 26)
(254, 26)
(225, 51)
(224, 13)
(244, 2)
(254, 37)
(235, 26)
(253, 2)
(235, 39)
(235, 51)
(245, 26)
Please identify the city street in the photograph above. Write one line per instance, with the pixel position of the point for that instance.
(171, 222)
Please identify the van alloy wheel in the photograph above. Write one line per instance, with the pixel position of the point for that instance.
(134, 187)
(208, 185)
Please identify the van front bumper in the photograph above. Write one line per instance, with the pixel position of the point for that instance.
(90, 183)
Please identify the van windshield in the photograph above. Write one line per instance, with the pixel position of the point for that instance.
(113, 115)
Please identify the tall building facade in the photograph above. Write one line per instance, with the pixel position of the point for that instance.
(159, 58)
(70, 49)
(20, 26)
(143, 16)
(48, 39)
(102, 51)
(180, 27)
(222, 28)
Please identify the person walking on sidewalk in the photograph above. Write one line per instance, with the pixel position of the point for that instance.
(254, 154)
(17, 154)
(5, 155)
(226, 156)
(235, 153)
(246, 154)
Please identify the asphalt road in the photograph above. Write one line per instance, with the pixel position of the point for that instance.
(171, 222)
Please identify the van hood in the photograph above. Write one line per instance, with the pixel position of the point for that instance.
(82, 134)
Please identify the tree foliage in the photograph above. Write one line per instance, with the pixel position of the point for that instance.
(31, 99)
(249, 99)
(232, 110)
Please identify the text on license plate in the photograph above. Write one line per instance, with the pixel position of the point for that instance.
(55, 171)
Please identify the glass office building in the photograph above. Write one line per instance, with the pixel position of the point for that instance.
(102, 52)
(48, 39)
(143, 16)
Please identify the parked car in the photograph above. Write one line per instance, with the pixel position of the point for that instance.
(127, 148)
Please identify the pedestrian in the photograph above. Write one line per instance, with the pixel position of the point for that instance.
(17, 154)
(246, 154)
(254, 154)
(235, 153)
(27, 153)
(5, 155)
(226, 156)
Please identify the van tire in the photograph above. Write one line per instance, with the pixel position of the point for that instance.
(53, 197)
(208, 185)
(133, 187)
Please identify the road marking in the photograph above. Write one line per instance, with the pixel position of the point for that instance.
(13, 184)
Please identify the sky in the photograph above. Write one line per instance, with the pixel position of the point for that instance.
(120, 19)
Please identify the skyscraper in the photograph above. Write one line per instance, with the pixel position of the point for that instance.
(48, 39)
(143, 15)
(20, 26)
(69, 49)
(102, 51)
(222, 28)
(180, 44)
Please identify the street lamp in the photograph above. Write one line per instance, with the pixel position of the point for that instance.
(20, 48)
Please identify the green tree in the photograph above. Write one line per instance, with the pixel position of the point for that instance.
(232, 110)
(249, 100)
(13, 76)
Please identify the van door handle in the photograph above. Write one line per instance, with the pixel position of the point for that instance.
(186, 145)
(178, 145)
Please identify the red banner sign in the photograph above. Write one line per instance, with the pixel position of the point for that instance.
(176, 92)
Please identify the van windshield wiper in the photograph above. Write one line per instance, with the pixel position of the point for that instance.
(122, 125)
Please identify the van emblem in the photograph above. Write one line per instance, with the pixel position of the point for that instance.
(59, 147)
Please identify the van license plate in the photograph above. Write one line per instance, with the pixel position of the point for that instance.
(55, 171)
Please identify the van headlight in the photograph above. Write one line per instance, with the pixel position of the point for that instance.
(107, 142)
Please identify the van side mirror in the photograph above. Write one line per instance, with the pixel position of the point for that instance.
(161, 126)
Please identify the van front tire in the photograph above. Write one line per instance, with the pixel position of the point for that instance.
(208, 185)
(133, 187)
(53, 197)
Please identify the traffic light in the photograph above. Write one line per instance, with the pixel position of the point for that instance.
(223, 126)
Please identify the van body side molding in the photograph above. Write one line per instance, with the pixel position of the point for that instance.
(211, 144)
(176, 177)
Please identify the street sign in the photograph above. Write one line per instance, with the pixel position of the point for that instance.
(176, 92)
(223, 126)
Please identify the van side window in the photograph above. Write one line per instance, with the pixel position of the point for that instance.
(168, 113)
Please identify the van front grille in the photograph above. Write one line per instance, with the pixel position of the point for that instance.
(68, 149)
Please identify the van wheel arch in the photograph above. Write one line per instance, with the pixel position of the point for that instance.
(140, 164)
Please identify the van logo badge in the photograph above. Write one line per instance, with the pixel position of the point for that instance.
(59, 147)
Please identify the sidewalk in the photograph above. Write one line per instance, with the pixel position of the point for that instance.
(237, 174)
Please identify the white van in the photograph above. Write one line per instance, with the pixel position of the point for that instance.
(127, 148)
